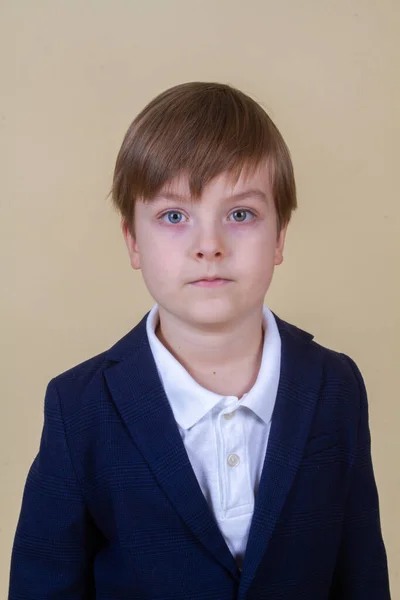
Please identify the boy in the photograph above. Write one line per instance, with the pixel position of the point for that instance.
(215, 451)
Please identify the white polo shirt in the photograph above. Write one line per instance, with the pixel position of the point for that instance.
(225, 437)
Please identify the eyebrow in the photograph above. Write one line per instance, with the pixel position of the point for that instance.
(252, 193)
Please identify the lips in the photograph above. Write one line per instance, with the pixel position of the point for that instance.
(210, 282)
(211, 279)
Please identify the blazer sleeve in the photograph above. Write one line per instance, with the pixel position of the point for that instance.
(361, 571)
(55, 539)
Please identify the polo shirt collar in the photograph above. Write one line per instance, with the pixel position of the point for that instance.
(190, 401)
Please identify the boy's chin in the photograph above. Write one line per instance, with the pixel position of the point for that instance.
(211, 313)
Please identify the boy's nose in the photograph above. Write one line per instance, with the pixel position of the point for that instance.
(209, 254)
(210, 245)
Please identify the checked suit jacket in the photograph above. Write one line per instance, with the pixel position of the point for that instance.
(112, 509)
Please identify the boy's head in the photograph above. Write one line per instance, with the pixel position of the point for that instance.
(182, 165)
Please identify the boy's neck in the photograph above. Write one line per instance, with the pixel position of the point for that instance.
(227, 363)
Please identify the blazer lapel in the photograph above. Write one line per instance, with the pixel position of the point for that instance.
(139, 396)
(298, 391)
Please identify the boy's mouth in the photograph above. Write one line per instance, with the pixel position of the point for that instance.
(211, 282)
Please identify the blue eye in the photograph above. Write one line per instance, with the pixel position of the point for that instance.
(174, 213)
(242, 211)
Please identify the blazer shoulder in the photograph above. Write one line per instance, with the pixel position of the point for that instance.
(340, 369)
(84, 383)
(82, 373)
(337, 364)
(77, 378)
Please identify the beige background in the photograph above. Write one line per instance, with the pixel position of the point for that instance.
(73, 76)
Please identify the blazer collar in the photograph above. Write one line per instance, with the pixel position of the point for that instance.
(138, 394)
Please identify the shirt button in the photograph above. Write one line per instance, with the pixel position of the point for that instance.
(229, 415)
(233, 460)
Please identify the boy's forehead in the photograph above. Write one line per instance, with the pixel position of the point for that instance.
(256, 182)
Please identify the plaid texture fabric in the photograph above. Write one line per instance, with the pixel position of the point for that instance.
(112, 509)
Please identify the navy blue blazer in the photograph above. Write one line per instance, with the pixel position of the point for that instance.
(112, 508)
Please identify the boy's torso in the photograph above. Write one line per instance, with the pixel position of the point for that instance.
(144, 497)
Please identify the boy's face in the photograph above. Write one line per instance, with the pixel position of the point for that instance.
(178, 242)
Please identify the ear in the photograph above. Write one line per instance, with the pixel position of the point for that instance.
(280, 244)
(131, 244)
